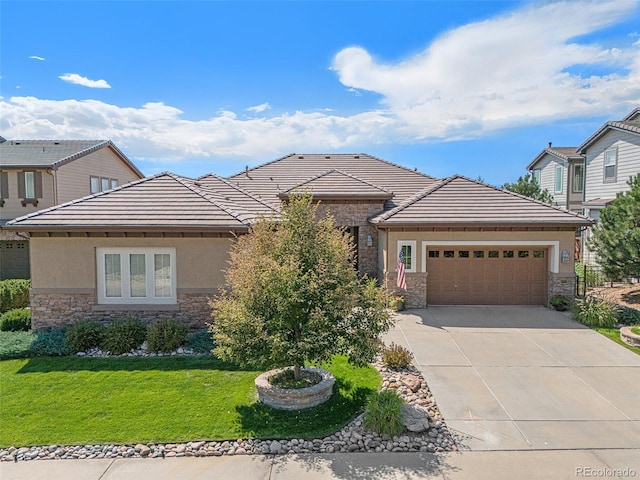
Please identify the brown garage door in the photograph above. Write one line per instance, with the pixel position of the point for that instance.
(486, 276)
(14, 259)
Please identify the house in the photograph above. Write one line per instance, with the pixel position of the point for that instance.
(560, 171)
(36, 174)
(158, 247)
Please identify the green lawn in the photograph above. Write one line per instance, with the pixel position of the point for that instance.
(75, 400)
(614, 334)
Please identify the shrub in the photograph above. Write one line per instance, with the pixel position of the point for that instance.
(635, 329)
(124, 335)
(50, 344)
(201, 341)
(166, 335)
(16, 320)
(595, 312)
(383, 413)
(85, 334)
(14, 294)
(15, 344)
(627, 315)
(396, 357)
(560, 302)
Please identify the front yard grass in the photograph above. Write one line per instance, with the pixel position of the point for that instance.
(79, 400)
(614, 334)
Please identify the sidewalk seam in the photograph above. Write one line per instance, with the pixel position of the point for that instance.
(107, 469)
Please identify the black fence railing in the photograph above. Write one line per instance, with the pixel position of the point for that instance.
(592, 276)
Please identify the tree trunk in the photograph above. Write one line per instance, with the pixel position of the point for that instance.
(297, 372)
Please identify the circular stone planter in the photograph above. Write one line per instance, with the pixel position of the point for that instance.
(629, 337)
(295, 398)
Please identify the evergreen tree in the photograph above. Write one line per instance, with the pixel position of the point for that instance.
(528, 186)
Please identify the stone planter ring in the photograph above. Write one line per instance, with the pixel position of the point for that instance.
(295, 398)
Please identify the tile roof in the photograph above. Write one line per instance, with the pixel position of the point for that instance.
(458, 200)
(52, 153)
(336, 184)
(633, 113)
(232, 193)
(272, 178)
(161, 202)
(564, 153)
(625, 125)
(598, 202)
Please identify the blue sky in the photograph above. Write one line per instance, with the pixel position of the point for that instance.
(476, 88)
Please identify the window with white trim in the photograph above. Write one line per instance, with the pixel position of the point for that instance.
(29, 185)
(94, 184)
(408, 248)
(559, 175)
(578, 178)
(536, 176)
(136, 275)
(610, 164)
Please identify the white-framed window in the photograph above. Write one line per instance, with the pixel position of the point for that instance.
(578, 178)
(536, 176)
(94, 183)
(610, 164)
(408, 249)
(559, 175)
(136, 275)
(114, 183)
(104, 184)
(29, 185)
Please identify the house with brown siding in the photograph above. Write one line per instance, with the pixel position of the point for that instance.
(36, 174)
(158, 247)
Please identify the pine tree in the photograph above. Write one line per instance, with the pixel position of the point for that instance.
(528, 186)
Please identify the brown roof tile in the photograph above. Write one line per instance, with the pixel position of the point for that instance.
(336, 184)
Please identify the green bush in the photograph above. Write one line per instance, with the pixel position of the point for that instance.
(50, 344)
(16, 320)
(635, 329)
(201, 341)
(85, 334)
(15, 344)
(14, 294)
(595, 312)
(166, 335)
(560, 303)
(383, 413)
(124, 335)
(627, 315)
(396, 357)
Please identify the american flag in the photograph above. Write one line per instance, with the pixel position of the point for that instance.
(402, 281)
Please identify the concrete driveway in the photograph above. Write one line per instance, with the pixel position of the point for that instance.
(518, 378)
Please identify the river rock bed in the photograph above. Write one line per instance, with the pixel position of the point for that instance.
(426, 432)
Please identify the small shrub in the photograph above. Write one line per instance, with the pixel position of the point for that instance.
(595, 312)
(397, 303)
(14, 294)
(16, 320)
(383, 413)
(560, 303)
(627, 315)
(635, 329)
(50, 344)
(124, 335)
(166, 335)
(84, 335)
(396, 357)
(15, 344)
(201, 341)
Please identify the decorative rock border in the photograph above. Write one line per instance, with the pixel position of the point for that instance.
(430, 434)
(629, 337)
(298, 398)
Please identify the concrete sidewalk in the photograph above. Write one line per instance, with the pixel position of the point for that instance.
(478, 465)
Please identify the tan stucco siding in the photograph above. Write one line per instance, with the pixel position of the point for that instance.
(73, 177)
(564, 239)
(13, 204)
(70, 263)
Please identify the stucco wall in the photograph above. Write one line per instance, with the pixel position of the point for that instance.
(13, 207)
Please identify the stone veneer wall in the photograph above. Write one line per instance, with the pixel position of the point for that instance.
(355, 214)
(55, 310)
(416, 293)
(562, 284)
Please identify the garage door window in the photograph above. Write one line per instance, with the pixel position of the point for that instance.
(538, 254)
(434, 253)
(507, 254)
(523, 253)
(478, 254)
(449, 254)
(493, 254)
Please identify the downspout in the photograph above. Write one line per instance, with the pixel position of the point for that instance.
(54, 173)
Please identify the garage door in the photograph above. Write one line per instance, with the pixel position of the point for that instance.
(14, 260)
(486, 276)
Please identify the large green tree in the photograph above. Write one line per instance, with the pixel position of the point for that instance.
(616, 237)
(294, 297)
(528, 186)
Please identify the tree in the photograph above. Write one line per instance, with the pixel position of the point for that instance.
(528, 186)
(295, 297)
(616, 237)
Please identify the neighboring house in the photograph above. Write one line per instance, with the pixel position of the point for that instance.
(560, 170)
(36, 174)
(158, 247)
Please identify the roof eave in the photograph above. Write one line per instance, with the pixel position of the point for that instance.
(519, 224)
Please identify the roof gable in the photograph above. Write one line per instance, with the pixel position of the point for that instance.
(458, 200)
(164, 201)
(565, 154)
(632, 127)
(336, 184)
(633, 116)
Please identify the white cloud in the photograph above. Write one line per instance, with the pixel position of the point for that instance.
(259, 108)
(354, 91)
(510, 70)
(84, 81)
(36, 57)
